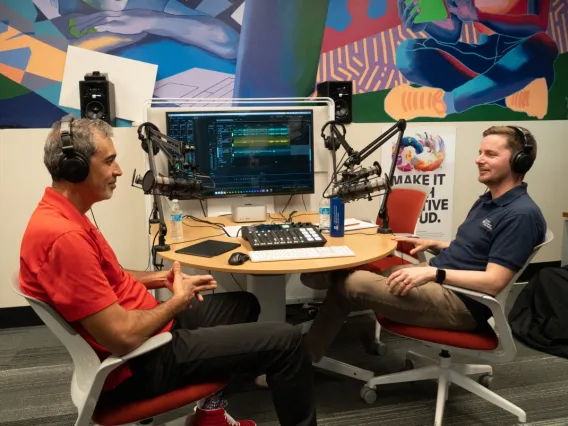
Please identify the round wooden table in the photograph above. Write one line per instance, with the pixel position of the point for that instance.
(267, 279)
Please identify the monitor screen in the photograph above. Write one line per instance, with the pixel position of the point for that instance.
(249, 153)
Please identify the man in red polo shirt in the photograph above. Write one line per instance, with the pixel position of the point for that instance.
(66, 262)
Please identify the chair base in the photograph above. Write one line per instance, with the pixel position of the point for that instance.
(446, 373)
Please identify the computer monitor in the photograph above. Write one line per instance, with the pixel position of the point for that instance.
(249, 153)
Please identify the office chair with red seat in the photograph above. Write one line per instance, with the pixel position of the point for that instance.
(90, 374)
(494, 344)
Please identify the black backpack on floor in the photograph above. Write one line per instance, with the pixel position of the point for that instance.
(539, 317)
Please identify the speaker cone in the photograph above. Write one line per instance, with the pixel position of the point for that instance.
(94, 110)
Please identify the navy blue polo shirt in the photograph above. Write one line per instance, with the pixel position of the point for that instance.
(503, 230)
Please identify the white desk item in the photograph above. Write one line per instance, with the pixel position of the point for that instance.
(300, 253)
(248, 212)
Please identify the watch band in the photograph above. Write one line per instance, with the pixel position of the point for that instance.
(440, 275)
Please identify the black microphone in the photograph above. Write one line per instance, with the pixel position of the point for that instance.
(364, 173)
(166, 184)
(361, 190)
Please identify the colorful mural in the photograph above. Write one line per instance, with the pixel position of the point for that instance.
(423, 60)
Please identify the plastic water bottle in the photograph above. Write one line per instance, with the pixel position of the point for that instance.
(324, 218)
(176, 215)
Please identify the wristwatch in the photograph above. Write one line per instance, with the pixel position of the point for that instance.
(440, 276)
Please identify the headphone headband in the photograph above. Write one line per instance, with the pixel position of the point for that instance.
(73, 166)
(66, 135)
(527, 145)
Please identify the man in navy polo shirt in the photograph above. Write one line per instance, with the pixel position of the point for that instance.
(494, 242)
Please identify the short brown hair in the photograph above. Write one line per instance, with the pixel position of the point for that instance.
(514, 140)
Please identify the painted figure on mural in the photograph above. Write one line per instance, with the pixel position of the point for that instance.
(511, 64)
(108, 25)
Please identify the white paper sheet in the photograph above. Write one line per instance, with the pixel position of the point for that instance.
(133, 80)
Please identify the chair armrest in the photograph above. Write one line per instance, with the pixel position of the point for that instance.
(149, 345)
(486, 299)
(501, 325)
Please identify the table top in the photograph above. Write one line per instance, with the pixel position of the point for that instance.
(367, 245)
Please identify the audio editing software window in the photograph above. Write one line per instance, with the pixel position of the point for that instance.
(250, 153)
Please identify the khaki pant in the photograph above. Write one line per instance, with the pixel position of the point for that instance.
(430, 305)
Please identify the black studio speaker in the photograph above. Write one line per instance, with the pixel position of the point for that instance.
(97, 97)
(342, 94)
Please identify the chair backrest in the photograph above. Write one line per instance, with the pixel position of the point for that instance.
(502, 296)
(404, 207)
(85, 360)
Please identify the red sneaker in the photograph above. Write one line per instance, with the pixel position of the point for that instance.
(218, 417)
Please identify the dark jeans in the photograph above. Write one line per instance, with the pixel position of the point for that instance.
(219, 339)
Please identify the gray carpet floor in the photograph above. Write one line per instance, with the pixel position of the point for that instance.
(35, 372)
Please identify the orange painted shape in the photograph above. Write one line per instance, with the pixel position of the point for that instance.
(12, 73)
(45, 60)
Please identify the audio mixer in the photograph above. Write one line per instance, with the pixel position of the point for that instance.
(283, 236)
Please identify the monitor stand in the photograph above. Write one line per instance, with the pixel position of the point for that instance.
(222, 206)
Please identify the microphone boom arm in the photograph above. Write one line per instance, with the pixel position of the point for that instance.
(152, 142)
(356, 157)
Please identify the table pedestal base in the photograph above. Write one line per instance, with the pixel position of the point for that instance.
(270, 290)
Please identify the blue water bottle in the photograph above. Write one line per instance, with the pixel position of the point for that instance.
(337, 217)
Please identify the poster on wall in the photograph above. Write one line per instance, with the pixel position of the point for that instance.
(427, 157)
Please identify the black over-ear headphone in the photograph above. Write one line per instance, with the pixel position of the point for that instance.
(73, 166)
(332, 142)
(522, 160)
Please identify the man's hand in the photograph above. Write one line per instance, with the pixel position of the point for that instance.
(419, 244)
(402, 281)
(465, 10)
(170, 278)
(408, 11)
(190, 287)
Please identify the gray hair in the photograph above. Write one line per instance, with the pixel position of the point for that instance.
(83, 131)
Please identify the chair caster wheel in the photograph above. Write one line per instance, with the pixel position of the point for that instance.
(408, 364)
(378, 348)
(368, 395)
(486, 380)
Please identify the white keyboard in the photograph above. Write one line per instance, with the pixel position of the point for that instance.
(299, 253)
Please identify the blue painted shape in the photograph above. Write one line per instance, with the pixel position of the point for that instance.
(3, 26)
(338, 16)
(24, 8)
(34, 82)
(119, 122)
(51, 93)
(46, 28)
(29, 111)
(76, 112)
(186, 57)
(17, 58)
(377, 8)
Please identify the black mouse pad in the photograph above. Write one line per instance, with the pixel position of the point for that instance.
(208, 248)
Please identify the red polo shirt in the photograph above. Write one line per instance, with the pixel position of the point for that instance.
(67, 263)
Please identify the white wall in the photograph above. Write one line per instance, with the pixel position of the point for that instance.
(23, 179)
(123, 219)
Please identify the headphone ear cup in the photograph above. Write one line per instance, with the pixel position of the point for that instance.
(74, 169)
(521, 162)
